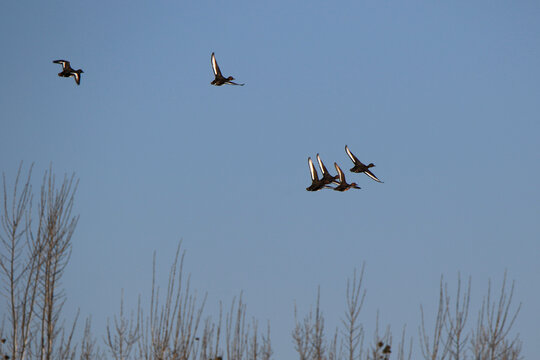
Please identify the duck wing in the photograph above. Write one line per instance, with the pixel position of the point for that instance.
(340, 173)
(321, 165)
(371, 175)
(228, 82)
(351, 155)
(64, 63)
(77, 77)
(314, 176)
(215, 66)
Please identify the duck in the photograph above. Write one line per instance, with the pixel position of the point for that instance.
(316, 184)
(326, 177)
(359, 167)
(67, 71)
(343, 186)
(219, 78)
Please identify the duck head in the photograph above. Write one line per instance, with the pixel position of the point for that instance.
(371, 165)
(230, 78)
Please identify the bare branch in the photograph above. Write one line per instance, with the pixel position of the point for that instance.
(491, 339)
(352, 328)
(438, 348)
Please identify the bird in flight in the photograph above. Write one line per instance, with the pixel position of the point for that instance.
(343, 186)
(316, 184)
(219, 78)
(359, 167)
(67, 71)
(326, 177)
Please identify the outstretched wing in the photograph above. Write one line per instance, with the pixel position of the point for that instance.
(371, 175)
(340, 173)
(64, 63)
(215, 66)
(321, 165)
(228, 82)
(77, 77)
(314, 176)
(351, 155)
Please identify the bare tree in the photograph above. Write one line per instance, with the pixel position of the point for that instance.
(242, 340)
(308, 335)
(381, 349)
(170, 330)
(210, 339)
(335, 350)
(353, 330)
(265, 350)
(302, 335)
(402, 353)
(35, 247)
(56, 227)
(124, 335)
(437, 348)
(20, 262)
(89, 348)
(491, 339)
(456, 320)
(236, 330)
(32, 261)
(318, 339)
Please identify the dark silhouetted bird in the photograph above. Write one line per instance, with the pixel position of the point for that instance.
(67, 71)
(219, 78)
(316, 184)
(343, 186)
(359, 167)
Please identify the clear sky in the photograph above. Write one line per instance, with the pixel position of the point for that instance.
(444, 97)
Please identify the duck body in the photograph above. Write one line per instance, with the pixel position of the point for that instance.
(219, 79)
(359, 167)
(345, 187)
(316, 186)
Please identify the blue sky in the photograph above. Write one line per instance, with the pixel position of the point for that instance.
(442, 97)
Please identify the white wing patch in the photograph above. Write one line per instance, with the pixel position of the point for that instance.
(371, 175)
(76, 76)
(312, 170)
(340, 173)
(350, 154)
(214, 65)
(321, 165)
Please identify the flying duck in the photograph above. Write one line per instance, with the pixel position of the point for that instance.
(326, 177)
(67, 71)
(359, 167)
(220, 79)
(316, 184)
(343, 186)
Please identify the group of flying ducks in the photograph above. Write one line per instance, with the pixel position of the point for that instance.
(327, 179)
(219, 79)
(317, 184)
